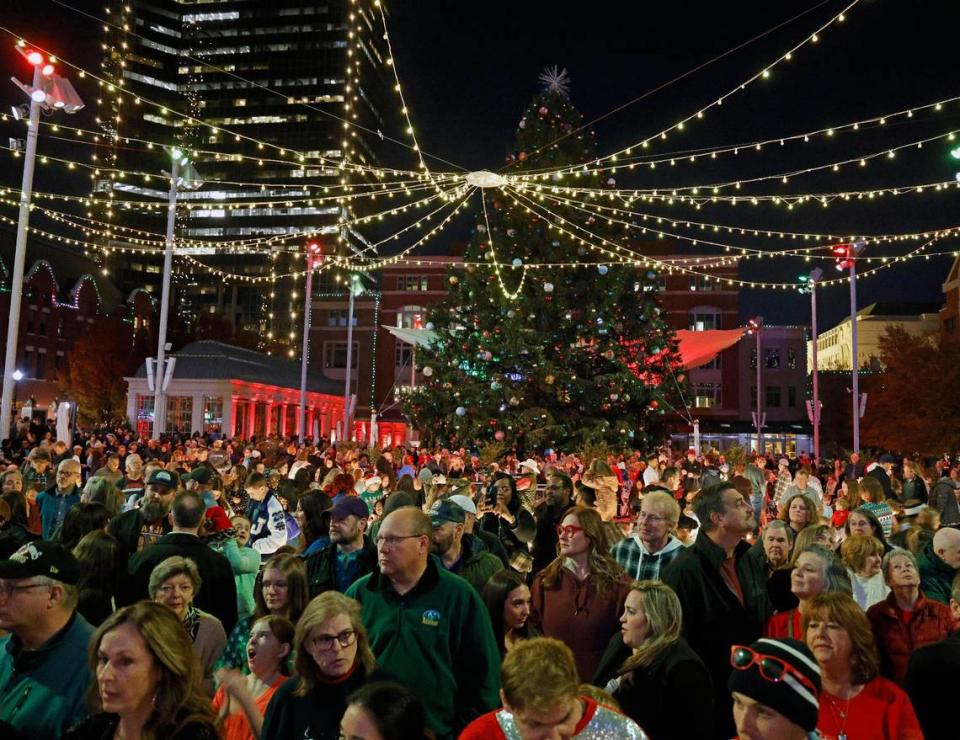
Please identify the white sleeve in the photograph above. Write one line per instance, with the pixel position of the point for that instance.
(276, 529)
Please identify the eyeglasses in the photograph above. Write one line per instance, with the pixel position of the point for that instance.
(6, 590)
(394, 540)
(772, 669)
(325, 642)
(653, 518)
(571, 530)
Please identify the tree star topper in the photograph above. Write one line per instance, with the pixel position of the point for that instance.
(556, 80)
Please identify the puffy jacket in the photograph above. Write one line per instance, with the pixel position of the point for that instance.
(943, 499)
(476, 565)
(936, 577)
(930, 622)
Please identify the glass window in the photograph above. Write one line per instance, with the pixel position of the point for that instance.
(792, 358)
(773, 396)
(703, 284)
(704, 321)
(792, 396)
(404, 354)
(335, 355)
(144, 420)
(707, 395)
(179, 413)
(41, 366)
(212, 413)
(772, 358)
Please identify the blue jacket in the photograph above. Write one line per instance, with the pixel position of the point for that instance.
(42, 692)
(54, 507)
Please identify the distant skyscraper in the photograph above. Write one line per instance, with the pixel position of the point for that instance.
(230, 78)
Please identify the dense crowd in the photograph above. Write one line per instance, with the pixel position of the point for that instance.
(214, 588)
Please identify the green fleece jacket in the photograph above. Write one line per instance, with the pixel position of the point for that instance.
(42, 691)
(436, 640)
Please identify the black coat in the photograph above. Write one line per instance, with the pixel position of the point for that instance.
(218, 592)
(659, 697)
(713, 618)
(322, 567)
(931, 685)
(881, 475)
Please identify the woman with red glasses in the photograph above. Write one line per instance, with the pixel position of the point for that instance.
(856, 702)
(578, 598)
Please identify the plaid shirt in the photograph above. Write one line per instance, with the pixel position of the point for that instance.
(640, 564)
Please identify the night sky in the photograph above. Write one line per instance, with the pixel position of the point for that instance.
(469, 69)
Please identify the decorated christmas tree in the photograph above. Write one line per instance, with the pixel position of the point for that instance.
(534, 354)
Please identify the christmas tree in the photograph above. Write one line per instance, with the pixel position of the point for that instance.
(546, 357)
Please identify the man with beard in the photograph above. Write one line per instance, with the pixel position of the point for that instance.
(558, 496)
(350, 554)
(458, 552)
(143, 526)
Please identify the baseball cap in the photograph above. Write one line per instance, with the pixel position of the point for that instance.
(162, 478)
(446, 511)
(42, 558)
(201, 475)
(464, 502)
(348, 505)
(886, 457)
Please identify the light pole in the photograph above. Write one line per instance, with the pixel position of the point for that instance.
(811, 284)
(354, 288)
(182, 175)
(758, 420)
(847, 260)
(49, 92)
(314, 260)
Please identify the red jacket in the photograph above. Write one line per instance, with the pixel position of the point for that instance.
(930, 622)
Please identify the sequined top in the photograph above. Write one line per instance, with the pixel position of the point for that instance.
(605, 724)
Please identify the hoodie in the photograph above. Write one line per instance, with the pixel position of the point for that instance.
(639, 562)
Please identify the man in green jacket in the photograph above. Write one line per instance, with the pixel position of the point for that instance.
(939, 563)
(44, 674)
(458, 551)
(428, 628)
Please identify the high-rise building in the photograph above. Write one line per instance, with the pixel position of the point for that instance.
(259, 94)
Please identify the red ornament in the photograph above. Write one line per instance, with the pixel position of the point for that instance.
(543, 111)
(654, 404)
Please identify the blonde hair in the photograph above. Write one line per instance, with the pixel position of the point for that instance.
(664, 616)
(328, 605)
(840, 607)
(180, 698)
(857, 548)
(666, 502)
(538, 674)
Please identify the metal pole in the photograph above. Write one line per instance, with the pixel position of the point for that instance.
(347, 374)
(855, 357)
(305, 349)
(816, 378)
(20, 256)
(160, 398)
(759, 405)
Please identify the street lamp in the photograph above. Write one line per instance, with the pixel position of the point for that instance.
(354, 288)
(49, 92)
(182, 177)
(759, 418)
(846, 259)
(314, 260)
(810, 284)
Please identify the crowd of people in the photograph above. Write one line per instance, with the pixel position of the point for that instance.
(205, 587)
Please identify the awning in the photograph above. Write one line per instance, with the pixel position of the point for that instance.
(696, 347)
(700, 347)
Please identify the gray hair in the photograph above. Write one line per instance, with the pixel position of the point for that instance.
(666, 502)
(174, 566)
(894, 553)
(71, 594)
(779, 524)
(834, 571)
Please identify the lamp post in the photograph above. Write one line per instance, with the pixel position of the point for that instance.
(314, 260)
(354, 288)
(758, 417)
(49, 92)
(810, 281)
(182, 176)
(847, 260)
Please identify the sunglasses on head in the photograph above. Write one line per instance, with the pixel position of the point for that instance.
(771, 667)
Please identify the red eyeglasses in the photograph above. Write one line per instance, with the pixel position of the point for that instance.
(771, 668)
(570, 530)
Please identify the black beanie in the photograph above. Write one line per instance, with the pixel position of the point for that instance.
(789, 696)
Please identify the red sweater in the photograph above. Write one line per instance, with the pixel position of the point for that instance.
(881, 710)
(486, 727)
(785, 624)
(929, 622)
